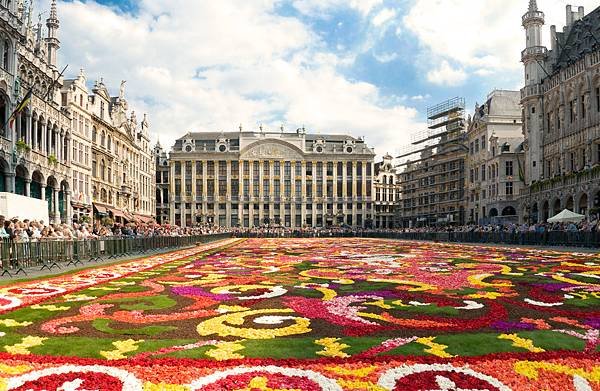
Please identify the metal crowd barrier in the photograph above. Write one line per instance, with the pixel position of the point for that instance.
(47, 254)
(549, 238)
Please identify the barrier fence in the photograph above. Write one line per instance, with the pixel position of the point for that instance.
(550, 238)
(47, 254)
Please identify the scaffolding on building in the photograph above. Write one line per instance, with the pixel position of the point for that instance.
(432, 186)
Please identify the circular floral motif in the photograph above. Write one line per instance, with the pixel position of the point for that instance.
(40, 290)
(430, 377)
(265, 291)
(8, 302)
(75, 377)
(225, 325)
(267, 377)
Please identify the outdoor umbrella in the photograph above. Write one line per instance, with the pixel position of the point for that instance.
(566, 216)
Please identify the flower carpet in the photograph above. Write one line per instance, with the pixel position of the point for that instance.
(310, 314)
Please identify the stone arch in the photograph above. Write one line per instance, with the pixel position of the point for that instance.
(582, 204)
(509, 211)
(37, 181)
(535, 212)
(556, 206)
(493, 212)
(545, 211)
(21, 177)
(4, 169)
(570, 203)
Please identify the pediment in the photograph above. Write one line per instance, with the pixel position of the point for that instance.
(272, 150)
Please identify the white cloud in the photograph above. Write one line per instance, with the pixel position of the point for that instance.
(211, 65)
(446, 75)
(323, 7)
(383, 16)
(385, 57)
(420, 97)
(485, 36)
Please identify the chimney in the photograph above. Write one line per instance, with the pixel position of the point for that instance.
(569, 17)
(580, 12)
(553, 38)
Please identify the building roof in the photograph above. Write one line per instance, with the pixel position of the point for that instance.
(582, 38)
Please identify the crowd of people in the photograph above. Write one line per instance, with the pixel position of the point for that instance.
(31, 230)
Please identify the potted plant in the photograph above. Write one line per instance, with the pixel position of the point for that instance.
(22, 147)
(52, 160)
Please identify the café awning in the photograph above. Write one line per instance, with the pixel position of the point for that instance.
(566, 216)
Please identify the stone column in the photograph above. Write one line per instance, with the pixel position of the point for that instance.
(228, 196)
(28, 127)
(303, 190)
(261, 192)
(43, 191)
(44, 146)
(28, 187)
(172, 194)
(55, 206)
(18, 127)
(34, 141)
(345, 189)
(68, 209)
(241, 201)
(271, 190)
(10, 182)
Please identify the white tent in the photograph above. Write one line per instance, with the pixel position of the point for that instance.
(566, 216)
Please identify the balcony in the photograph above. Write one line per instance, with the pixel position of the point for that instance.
(529, 91)
(534, 51)
(531, 15)
(126, 189)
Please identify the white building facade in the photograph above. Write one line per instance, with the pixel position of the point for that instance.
(495, 160)
(251, 179)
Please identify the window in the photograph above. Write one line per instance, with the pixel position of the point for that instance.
(483, 172)
(582, 106)
(483, 142)
(598, 99)
(549, 122)
(102, 110)
(509, 188)
(509, 168)
(572, 116)
(94, 134)
(6, 55)
(572, 161)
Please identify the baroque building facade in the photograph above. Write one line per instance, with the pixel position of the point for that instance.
(255, 178)
(46, 149)
(386, 193)
(561, 111)
(495, 160)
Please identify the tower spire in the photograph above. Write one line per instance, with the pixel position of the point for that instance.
(533, 5)
(52, 41)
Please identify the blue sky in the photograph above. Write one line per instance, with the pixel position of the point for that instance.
(365, 67)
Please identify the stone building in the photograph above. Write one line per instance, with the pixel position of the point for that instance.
(432, 187)
(161, 162)
(35, 145)
(561, 111)
(253, 178)
(123, 170)
(386, 193)
(48, 150)
(495, 160)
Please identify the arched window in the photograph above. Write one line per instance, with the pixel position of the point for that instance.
(94, 134)
(102, 170)
(6, 54)
(109, 143)
(109, 176)
(3, 115)
(103, 138)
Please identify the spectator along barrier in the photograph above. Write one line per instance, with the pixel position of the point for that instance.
(18, 256)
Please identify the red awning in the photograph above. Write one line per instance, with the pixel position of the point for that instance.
(101, 208)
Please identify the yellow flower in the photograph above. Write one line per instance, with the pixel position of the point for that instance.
(164, 387)
(220, 325)
(126, 346)
(23, 346)
(332, 347)
(434, 348)
(519, 342)
(226, 351)
(51, 307)
(13, 323)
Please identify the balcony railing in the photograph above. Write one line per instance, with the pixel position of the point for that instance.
(534, 51)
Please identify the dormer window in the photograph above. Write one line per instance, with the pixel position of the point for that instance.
(319, 149)
(188, 148)
(222, 148)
